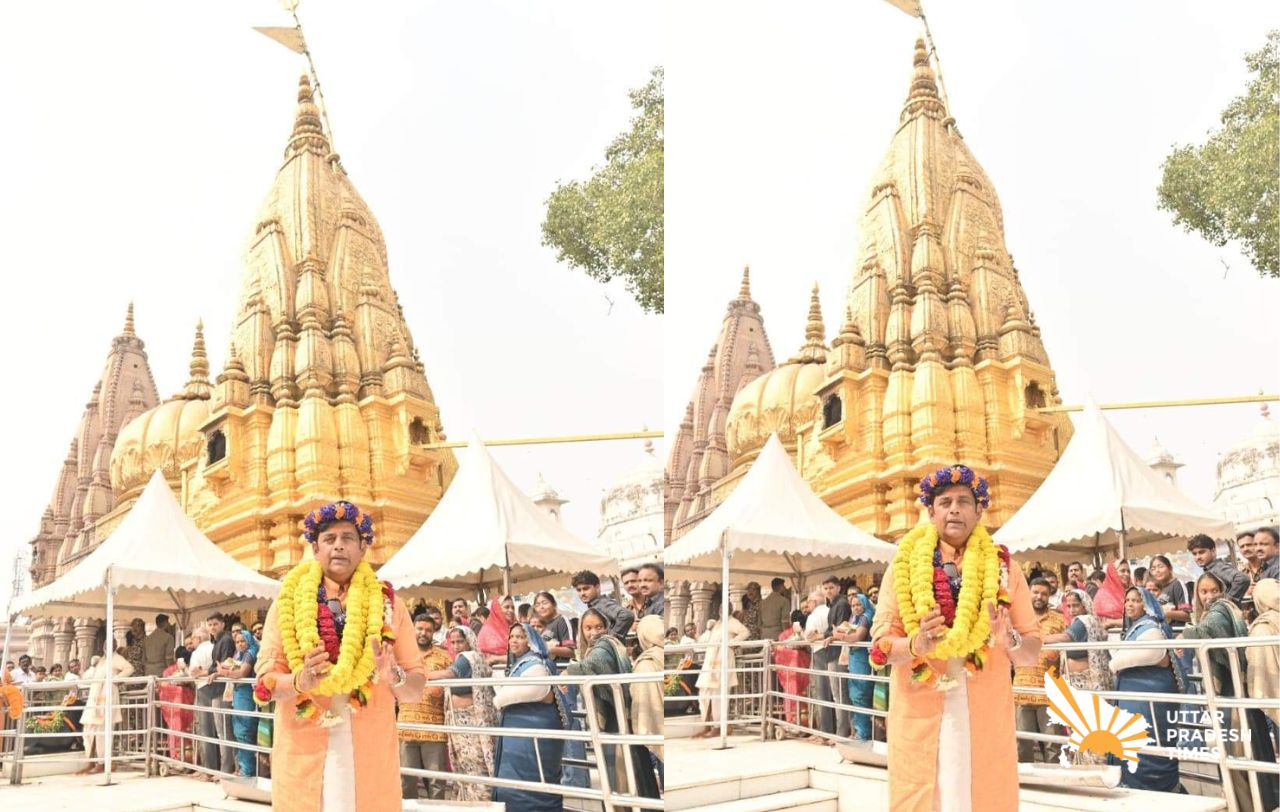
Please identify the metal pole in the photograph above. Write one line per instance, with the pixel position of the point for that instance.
(108, 657)
(1161, 404)
(564, 438)
(724, 640)
(14, 592)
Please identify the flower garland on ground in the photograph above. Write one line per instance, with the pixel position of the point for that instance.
(921, 584)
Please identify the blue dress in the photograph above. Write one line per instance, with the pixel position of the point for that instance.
(527, 759)
(861, 691)
(1154, 772)
(245, 728)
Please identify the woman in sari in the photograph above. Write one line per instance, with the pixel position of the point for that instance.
(600, 653)
(860, 690)
(1151, 670)
(646, 697)
(1108, 601)
(1218, 617)
(491, 640)
(244, 728)
(533, 706)
(469, 754)
(1090, 669)
(177, 688)
(795, 684)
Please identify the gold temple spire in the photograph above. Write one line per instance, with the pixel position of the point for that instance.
(744, 292)
(198, 386)
(128, 321)
(923, 94)
(814, 349)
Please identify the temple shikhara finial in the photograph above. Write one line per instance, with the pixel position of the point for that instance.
(937, 359)
(744, 292)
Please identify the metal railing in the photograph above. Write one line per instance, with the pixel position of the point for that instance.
(1219, 709)
(140, 735)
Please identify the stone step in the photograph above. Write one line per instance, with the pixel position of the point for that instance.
(733, 788)
(796, 800)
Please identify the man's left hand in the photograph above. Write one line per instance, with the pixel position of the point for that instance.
(1000, 625)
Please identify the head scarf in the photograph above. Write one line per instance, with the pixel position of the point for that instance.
(249, 641)
(868, 608)
(1239, 628)
(651, 638)
(1151, 610)
(493, 635)
(1266, 597)
(1109, 600)
(537, 653)
(1085, 601)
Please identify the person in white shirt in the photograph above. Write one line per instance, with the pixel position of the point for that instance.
(23, 673)
(202, 667)
(817, 630)
(690, 635)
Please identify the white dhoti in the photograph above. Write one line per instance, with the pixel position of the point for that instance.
(339, 792)
(953, 792)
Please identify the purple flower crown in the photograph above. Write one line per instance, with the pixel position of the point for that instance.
(954, 475)
(341, 511)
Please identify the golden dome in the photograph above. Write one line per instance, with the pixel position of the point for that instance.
(167, 436)
(783, 399)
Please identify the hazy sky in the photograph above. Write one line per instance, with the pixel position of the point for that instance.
(778, 113)
(140, 139)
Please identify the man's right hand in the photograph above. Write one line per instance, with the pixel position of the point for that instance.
(933, 627)
(315, 664)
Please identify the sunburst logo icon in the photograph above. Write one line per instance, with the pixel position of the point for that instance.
(1096, 725)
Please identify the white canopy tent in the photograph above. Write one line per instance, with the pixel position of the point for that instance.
(157, 560)
(1101, 497)
(772, 523)
(487, 533)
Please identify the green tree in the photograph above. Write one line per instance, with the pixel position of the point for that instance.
(611, 225)
(1226, 188)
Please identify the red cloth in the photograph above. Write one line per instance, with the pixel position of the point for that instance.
(1108, 603)
(178, 719)
(492, 638)
(794, 683)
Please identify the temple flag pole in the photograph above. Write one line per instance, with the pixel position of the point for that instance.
(294, 40)
(723, 701)
(108, 658)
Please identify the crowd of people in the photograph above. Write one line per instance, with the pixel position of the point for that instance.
(1227, 600)
(211, 668)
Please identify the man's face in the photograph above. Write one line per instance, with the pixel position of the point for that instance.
(138, 628)
(955, 513)
(436, 617)
(1039, 597)
(690, 630)
(1264, 546)
(24, 662)
(1248, 548)
(74, 666)
(1052, 578)
(587, 592)
(631, 583)
(1203, 556)
(257, 631)
(1075, 573)
(425, 631)
(829, 591)
(214, 626)
(339, 551)
(459, 610)
(649, 583)
(874, 593)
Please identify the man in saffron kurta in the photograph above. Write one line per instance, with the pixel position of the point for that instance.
(955, 750)
(354, 765)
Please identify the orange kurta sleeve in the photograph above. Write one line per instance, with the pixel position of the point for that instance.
(888, 622)
(1021, 613)
(405, 647)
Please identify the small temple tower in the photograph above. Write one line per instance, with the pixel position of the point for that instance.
(699, 455)
(323, 394)
(548, 499)
(938, 359)
(69, 528)
(1162, 462)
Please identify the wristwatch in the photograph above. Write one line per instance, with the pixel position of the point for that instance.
(400, 676)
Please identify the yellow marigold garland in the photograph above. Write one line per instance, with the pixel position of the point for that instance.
(981, 586)
(297, 613)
